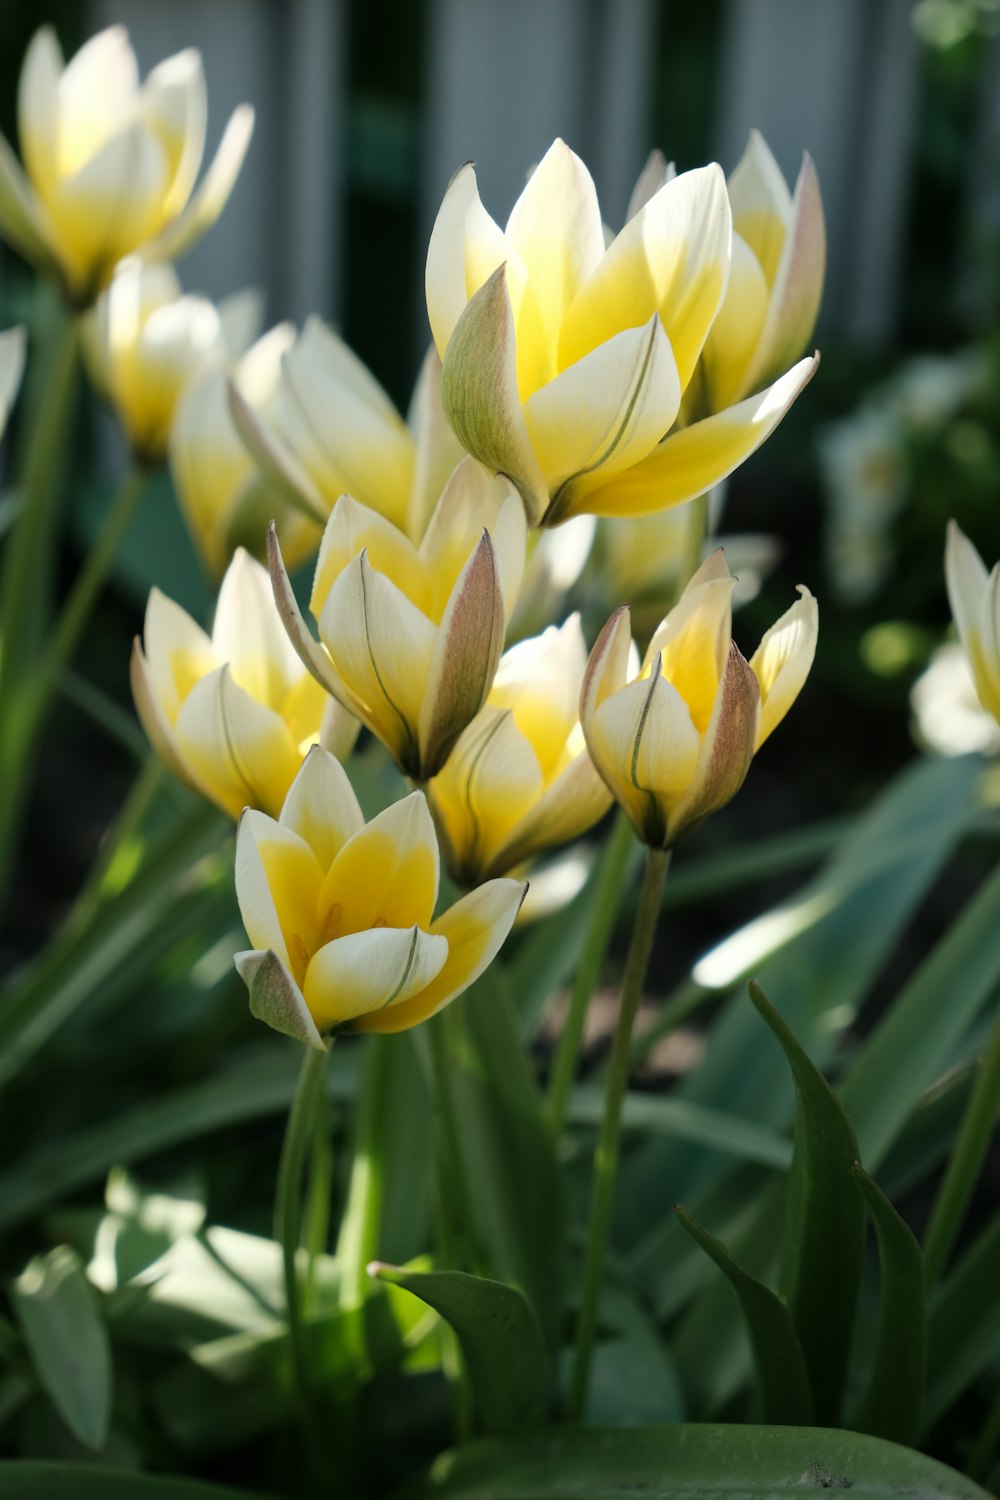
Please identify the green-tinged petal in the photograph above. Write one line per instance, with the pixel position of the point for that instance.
(643, 743)
(479, 392)
(386, 875)
(277, 884)
(797, 290)
(690, 461)
(361, 975)
(466, 246)
(726, 750)
(466, 651)
(321, 806)
(604, 413)
(608, 665)
(671, 258)
(381, 646)
(210, 197)
(782, 661)
(313, 655)
(475, 928)
(276, 999)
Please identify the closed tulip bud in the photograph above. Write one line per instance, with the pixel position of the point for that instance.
(674, 739)
(234, 714)
(224, 498)
(974, 595)
(109, 166)
(566, 359)
(775, 281)
(144, 341)
(411, 636)
(11, 369)
(520, 780)
(340, 913)
(330, 429)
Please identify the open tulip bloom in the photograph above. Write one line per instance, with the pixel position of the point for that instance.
(341, 913)
(674, 740)
(232, 715)
(566, 361)
(974, 595)
(410, 637)
(520, 779)
(109, 167)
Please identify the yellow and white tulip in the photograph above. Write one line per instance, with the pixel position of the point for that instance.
(340, 913)
(234, 714)
(109, 166)
(224, 498)
(566, 359)
(332, 430)
(411, 636)
(974, 595)
(519, 779)
(144, 341)
(674, 739)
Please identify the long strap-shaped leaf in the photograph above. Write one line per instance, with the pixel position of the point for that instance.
(708, 1461)
(53, 1481)
(777, 1352)
(894, 1403)
(826, 1222)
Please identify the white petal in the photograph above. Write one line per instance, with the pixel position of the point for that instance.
(173, 102)
(239, 749)
(265, 848)
(177, 650)
(248, 633)
(210, 197)
(366, 972)
(38, 109)
(782, 661)
(465, 248)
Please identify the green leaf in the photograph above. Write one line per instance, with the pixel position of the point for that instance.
(715, 1128)
(913, 1043)
(507, 1152)
(964, 1329)
(67, 1341)
(894, 1403)
(48, 1481)
(633, 1377)
(777, 1352)
(826, 1222)
(710, 1462)
(500, 1338)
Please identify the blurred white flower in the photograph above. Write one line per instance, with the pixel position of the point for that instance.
(948, 716)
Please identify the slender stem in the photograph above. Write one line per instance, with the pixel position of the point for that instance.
(966, 1159)
(601, 920)
(357, 1243)
(316, 1219)
(606, 1155)
(288, 1207)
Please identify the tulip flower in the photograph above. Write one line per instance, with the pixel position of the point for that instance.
(332, 430)
(340, 913)
(144, 341)
(674, 740)
(565, 360)
(411, 636)
(975, 605)
(11, 369)
(109, 167)
(232, 715)
(224, 498)
(775, 281)
(519, 779)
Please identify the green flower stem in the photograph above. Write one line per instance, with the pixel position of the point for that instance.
(606, 1156)
(966, 1159)
(601, 921)
(288, 1207)
(454, 1208)
(357, 1244)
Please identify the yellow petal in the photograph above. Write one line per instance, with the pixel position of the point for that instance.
(643, 743)
(555, 228)
(321, 806)
(239, 749)
(726, 751)
(762, 204)
(797, 289)
(480, 393)
(354, 528)
(491, 780)
(567, 808)
(475, 928)
(358, 977)
(471, 499)
(604, 413)
(465, 248)
(248, 633)
(111, 204)
(539, 681)
(732, 342)
(782, 661)
(381, 646)
(693, 459)
(672, 258)
(210, 197)
(177, 650)
(277, 884)
(693, 643)
(386, 874)
(173, 102)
